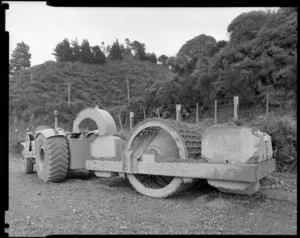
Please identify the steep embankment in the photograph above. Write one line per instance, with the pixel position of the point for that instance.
(36, 92)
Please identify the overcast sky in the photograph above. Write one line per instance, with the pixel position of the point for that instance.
(163, 30)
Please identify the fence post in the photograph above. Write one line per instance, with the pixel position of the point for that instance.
(158, 114)
(55, 120)
(145, 115)
(197, 113)
(120, 121)
(236, 107)
(267, 104)
(178, 112)
(216, 116)
(131, 115)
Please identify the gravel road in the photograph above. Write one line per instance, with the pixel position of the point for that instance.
(89, 205)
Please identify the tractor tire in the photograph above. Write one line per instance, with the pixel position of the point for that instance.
(52, 158)
(27, 164)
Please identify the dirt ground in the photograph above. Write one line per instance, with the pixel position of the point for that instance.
(89, 205)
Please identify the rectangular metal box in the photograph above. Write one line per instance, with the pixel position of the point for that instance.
(79, 150)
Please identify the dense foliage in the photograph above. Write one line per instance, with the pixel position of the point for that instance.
(283, 132)
(260, 57)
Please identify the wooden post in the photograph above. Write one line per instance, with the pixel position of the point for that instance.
(216, 115)
(131, 115)
(145, 115)
(178, 112)
(69, 92)
(120, 121)
(267, 104)
(31, 79)
(55, 120)
(197, 113)
(158, 114)
(236, 107)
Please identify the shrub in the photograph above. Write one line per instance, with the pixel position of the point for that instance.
(16, 136)
(283, 131)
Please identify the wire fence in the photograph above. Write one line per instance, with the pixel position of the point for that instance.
(218, 113)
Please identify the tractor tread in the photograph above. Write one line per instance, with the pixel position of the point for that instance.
(56, 164)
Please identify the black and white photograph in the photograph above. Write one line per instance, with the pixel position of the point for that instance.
(151, 120)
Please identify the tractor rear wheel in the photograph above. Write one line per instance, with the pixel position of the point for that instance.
(52, 158)
(27, 164)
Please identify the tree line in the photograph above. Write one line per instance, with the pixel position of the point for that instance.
(71, 52)
(66, 51)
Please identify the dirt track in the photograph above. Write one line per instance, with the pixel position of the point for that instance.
(90, 205)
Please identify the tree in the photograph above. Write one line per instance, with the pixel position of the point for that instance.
(169, 93)
(20, 57)
(63, 51)
(115, 51)
(194, 50)
(139, 50)
(86, 55)
(163, 60)
(126, 51)
(152, 58)
(204, 89)
(99, 57)
(237, 84)
(75, 50)
(246, 26)
(172, 64)
(188, 95)
(221, 44)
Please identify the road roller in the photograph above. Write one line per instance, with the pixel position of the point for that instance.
(160, 157)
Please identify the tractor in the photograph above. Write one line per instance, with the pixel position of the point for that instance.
(160, 158)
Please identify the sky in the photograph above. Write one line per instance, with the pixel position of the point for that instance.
(162, 30)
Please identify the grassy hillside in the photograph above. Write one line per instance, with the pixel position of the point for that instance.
(36, 92)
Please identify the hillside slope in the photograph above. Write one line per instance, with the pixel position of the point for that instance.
(36, 92)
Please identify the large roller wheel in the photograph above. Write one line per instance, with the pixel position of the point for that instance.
(166, 140)
(27, 164)
(51, 158)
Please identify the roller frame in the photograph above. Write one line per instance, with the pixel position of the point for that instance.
(188, 139)
(229, 172)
